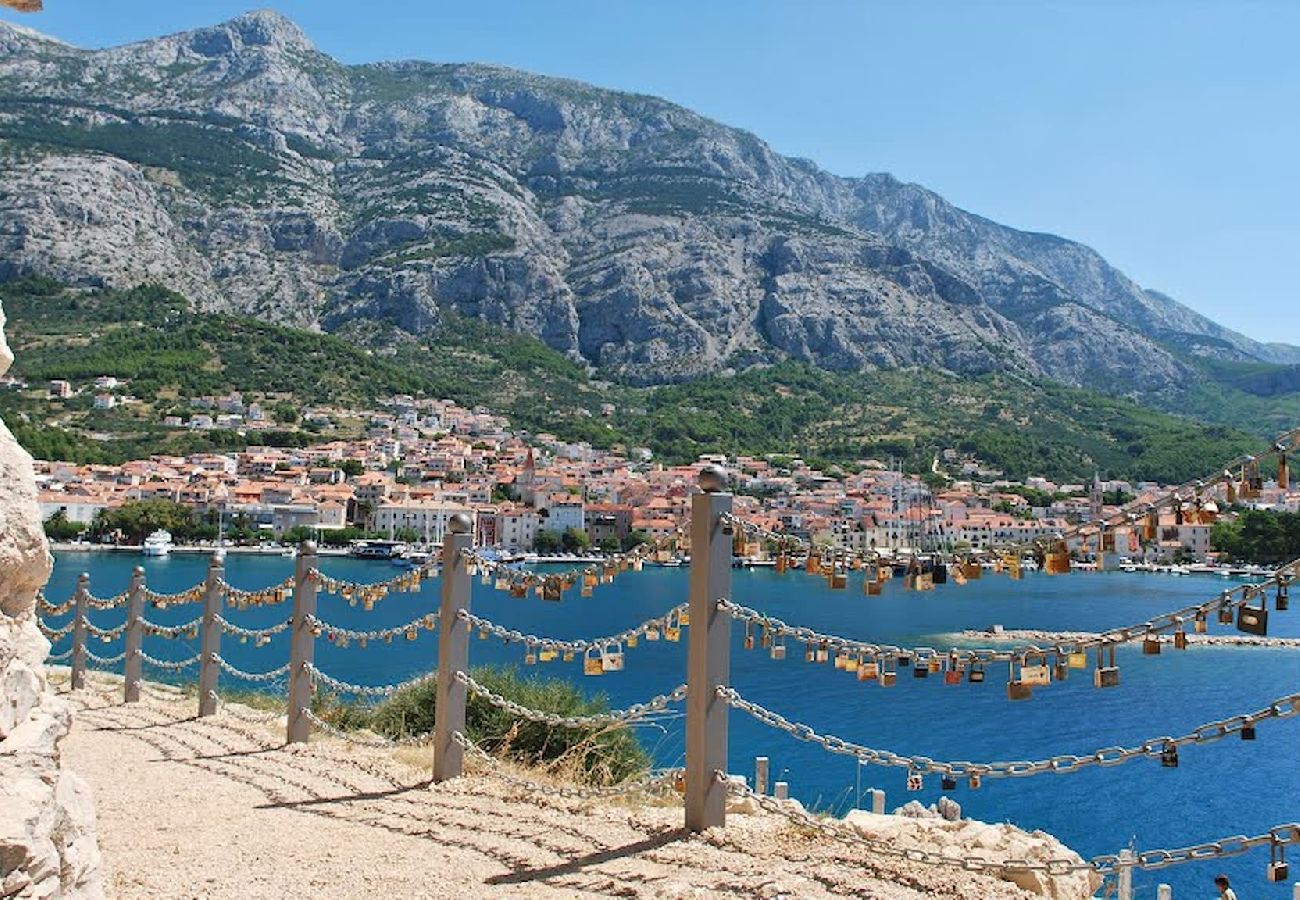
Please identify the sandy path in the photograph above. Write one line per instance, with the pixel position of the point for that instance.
(219, 808)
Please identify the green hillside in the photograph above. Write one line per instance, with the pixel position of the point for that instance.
(171, 354)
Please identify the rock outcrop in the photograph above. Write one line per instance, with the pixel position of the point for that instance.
(247, 170)
(919, 829)
(47, 814)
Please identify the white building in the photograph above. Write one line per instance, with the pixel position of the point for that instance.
(427, 518)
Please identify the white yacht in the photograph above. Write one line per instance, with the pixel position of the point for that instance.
(158, 544)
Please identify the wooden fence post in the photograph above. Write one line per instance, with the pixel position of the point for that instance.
(210, 635)
(453, 649)
(132, 667)
(81, 601)
(708, 653)
(302, 646)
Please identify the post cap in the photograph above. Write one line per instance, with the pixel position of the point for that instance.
(138, 570)
(712, 478)
(460, 524)
(218, 557)
(306, 548)
(84, 576)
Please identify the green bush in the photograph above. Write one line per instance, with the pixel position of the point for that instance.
(601, 756)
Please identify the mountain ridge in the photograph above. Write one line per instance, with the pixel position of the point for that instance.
(628, 232)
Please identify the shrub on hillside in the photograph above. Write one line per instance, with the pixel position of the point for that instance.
(603, 755)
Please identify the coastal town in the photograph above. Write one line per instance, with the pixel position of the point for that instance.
(421, 461)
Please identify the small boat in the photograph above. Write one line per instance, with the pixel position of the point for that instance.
(157, 544)
(377, 549)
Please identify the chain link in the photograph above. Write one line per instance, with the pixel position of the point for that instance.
(272, 675)
(167, 664)
(171, 631)
(53, 634)
(354, 738)
(317, 676)
(511, 636)
(50, 609)
(104, 660)
(106, 634)
(341, 637)
(555, 720)
(1281, 708)
(56, 657)
(259, 636)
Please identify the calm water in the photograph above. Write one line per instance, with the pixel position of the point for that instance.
(1229, 787)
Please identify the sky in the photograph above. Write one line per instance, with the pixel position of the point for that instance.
(1163, 134)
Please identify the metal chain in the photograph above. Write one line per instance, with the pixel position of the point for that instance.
(343, 636)
(510, 635)
(372, 592)
(106, 634)
(170, 631)
(250, 676)
(317, 675)
(56, 657)
(354, 738)
(555, 720)
(49, 608)
(105, 660)
(259, 635)
(166, 664)
(106, 602)
(267, 596)
(649, 783)
(53, 634)
(191, 594)
(1281, 708)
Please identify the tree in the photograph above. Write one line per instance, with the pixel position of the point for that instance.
(609, 545)
(547, 541)
(575, 540)
(635, 539)
(137, 519)
(58, 528)
(285, 412)
(352, 467)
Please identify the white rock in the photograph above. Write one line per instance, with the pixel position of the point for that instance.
(47, 815)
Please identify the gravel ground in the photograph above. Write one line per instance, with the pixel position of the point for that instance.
(220, 808)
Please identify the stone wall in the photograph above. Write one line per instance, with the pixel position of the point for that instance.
(47, 814)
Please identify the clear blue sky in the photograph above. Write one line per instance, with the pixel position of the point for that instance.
(1165, 134)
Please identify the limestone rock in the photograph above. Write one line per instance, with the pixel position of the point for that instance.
(927, 830)
(47, 815)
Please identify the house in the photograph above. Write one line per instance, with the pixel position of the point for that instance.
(60, 389)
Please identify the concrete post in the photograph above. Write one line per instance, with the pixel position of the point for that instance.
(1124, 878)
(210, 635)
(877, 801)
(781, 790)
(760, 774)
(708, 654)
(1164, 892)
(81, 599)
(132, 668)
(453, 649)
(302, 644)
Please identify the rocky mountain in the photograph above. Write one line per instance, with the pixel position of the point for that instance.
(243, 168)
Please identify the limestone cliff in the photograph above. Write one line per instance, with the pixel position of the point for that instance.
(47, 815)
(242, 167)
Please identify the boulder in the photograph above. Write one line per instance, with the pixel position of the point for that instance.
(48, 846)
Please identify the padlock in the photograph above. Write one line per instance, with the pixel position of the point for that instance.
(921, 668)
(976, 674)
(1225, 609)
(810, 653)
(948, 783)
(1034, 670)
(530, 656)
(1151, 643)
(591, 664)
(1278, 870)
(915, 781)
(765, 638)
(1253, 619)
(1106, 676)
(1248, 731)
(1180, 634)
(851, 663)
(1078, 659)
(611, 657)
(888, 677)
(749, 637)
(841, 659)
(778, 649)
(974, 782)
(1061, 669)
(1282, 602)
(1199, 624)
(823, 653)
(1169, 756)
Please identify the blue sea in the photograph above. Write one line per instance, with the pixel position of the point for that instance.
(1230, 787)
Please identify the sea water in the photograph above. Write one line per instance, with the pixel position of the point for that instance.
(1229, 787)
